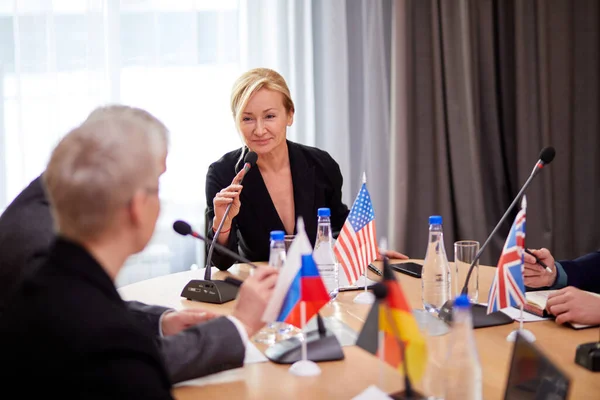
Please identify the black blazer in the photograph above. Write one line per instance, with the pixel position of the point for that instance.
(68, 333)
(584, 272)
(26, 233)
(317, 182)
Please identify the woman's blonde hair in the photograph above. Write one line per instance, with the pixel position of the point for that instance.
(251, 82)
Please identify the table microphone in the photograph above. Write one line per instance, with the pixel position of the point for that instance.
(588, 356)
(249, 162)
(480, 316)
(207, 290)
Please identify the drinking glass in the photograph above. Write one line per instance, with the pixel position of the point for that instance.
(464, 254)
(287, 240)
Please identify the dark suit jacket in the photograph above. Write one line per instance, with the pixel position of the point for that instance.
(26, 231)
(584, 272)
(317, 183)
(67, 332)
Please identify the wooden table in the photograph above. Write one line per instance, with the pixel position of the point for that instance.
(347, 378)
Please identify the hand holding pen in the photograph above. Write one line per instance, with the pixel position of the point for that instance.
(539, 269)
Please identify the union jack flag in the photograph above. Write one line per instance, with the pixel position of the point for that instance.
(508, 288)
(356, 246)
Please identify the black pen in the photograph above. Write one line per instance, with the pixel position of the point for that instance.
(354, 288)
(375, 269)
(537, 260)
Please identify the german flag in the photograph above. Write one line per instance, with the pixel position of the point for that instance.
(392, 315)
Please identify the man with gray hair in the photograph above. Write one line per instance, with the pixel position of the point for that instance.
(102, 182)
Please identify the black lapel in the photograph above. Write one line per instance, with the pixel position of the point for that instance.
(255, 198)
(303, 179)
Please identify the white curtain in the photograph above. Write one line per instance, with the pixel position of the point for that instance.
(59, 59)
(335, 56)
(177, 59)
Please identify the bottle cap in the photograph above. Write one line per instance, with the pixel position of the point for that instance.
(277, 235)
(323, 212)
(462, 301)
(435, 220)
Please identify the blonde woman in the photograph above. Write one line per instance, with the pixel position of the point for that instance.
(290, 179)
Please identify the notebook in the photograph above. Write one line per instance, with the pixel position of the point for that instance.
(536, 304)
(532, 376)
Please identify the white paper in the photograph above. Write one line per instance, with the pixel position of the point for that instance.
(515, 314)
(372, 393)
(253, 354)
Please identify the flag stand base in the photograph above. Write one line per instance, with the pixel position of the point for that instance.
(414, 395)
(319, 347)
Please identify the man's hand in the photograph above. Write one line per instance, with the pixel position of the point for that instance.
(574, 305)
(534, 275)
(175, 321)
(253, 297)
(391, 254)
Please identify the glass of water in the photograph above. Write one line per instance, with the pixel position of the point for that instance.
(464, 254)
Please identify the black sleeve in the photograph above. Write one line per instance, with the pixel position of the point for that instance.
(214, 184)
(339, 211)
(584, 272)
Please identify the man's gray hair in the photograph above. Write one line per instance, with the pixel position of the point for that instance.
(98, 166)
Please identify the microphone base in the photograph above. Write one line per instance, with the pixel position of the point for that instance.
(318, 348)
(414, 395)
(481, 319)
(588, 356)
(216, 292)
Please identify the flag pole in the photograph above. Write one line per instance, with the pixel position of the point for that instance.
(381, 347)
(408, 390)
(303, 319)
(304, 367)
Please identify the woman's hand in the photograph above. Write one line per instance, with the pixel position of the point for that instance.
(228, 195)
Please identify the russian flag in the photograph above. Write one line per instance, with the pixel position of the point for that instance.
(299, 280)
(308, 287)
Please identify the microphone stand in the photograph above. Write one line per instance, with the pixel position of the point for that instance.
(480, 316)
(207, 271)
(207, 290)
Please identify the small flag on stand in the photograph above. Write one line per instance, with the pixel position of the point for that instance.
(356, 245)
(393, 316)
(508, 288)
(299, 281)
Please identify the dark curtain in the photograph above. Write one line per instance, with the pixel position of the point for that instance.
(479, 87)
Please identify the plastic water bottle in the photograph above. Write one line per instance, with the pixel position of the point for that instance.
(323, 253)
(275, 331)
(463, 373)
(435, 277)
(277, 253)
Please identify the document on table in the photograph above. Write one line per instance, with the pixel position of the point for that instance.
(515, 314)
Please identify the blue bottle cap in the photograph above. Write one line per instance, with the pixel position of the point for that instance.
(462, 301)
(324, 212)
(435, 220)
(277, 235)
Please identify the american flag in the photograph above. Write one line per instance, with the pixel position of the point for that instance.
(356, 246)
(508, 288)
